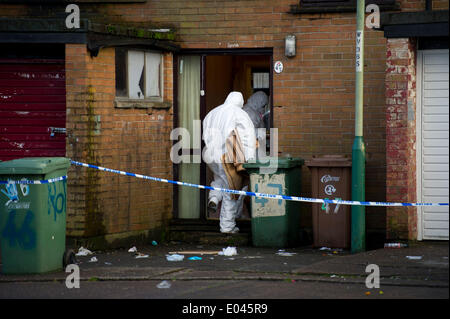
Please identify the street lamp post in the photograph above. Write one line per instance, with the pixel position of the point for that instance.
(358, 232)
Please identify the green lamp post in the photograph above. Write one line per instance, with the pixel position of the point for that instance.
(358, 232)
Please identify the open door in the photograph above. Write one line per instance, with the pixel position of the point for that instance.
(204, 80)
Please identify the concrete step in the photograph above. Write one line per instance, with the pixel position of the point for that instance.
(207, 232)
(210, 238)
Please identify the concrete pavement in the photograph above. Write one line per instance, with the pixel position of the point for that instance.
(254, 273)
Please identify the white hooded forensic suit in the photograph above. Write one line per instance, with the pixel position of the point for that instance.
(218, 124)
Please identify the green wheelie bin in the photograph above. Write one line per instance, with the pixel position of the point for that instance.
(33, 216)
(275, 222)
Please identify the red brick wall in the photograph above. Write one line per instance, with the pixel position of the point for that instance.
(313, 104)
(401, 137)
(133, 140)
(417, 5)
(314, 96)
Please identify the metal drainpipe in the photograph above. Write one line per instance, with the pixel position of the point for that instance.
(428, 5)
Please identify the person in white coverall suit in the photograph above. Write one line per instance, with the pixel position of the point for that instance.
(218, 124)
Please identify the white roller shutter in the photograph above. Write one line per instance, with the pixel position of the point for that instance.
(433, 142)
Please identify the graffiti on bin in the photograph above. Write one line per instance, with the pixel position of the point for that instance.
(24, 235)
(263, 201)
(326, 206)
(270, 184)
(56, 198)
(13, 195)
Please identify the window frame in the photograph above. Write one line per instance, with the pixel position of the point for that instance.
(125, 101)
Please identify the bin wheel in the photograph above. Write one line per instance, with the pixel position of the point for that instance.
(69, 258)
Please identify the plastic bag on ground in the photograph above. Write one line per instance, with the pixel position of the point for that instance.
(195, 258)
(83, 252)
(132, 249)
(164, 284)
(175, 257)
(229, 251)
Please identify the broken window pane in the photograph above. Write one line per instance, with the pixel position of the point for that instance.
(139, 74)
(135, 74)
(121, 72)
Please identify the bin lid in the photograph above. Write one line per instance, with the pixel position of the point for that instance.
(329, 161)
(282, 162)
(34, 165)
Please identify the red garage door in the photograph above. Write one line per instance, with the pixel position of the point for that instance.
(32, 108)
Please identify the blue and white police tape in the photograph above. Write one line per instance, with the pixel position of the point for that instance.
(245, 193)
(43, 181)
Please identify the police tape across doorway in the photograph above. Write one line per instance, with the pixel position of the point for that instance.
(232, 191)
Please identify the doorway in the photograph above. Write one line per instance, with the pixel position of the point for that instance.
(203, 80)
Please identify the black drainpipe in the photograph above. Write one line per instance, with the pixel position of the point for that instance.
(429, 5)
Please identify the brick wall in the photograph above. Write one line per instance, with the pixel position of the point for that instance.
(401, 137)
(133, 140)
(418, 5)
(313, 105)
(314, 96)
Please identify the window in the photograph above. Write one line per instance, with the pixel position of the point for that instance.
(261, 80)
(139, 74)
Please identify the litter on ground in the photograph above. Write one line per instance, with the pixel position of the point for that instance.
(229, 251)
(281, 252)
(132, 250)
(93, 260)
(414, 257)
(196, 252)
(195, 258)
(164, 284)
(83, 252)
(141, 255)
(175, 257)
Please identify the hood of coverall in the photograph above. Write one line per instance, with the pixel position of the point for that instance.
(255, 108)
(235, 99)
(258, 102)
(221, 121)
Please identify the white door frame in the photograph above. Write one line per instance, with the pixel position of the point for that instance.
(419, 78)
